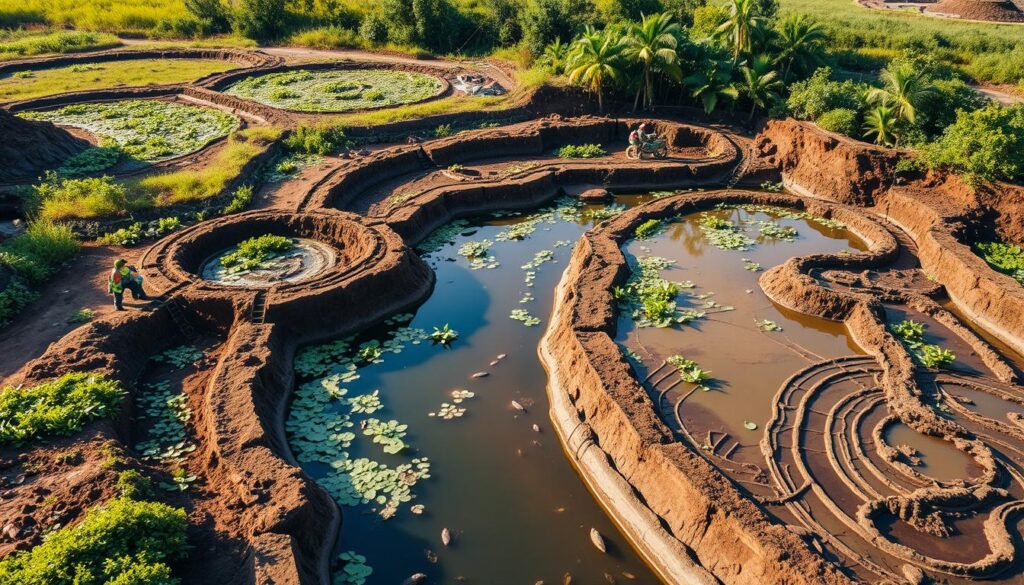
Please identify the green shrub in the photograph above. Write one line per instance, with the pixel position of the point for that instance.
(45, 242)
(60, 198)
(240, 200)
(254, 252)
(125, 542)
(443, 131)
(840, 121)
(986, 144)
(581, 151)
(1005, 258)
(319, 140)
(940, 109)
(813, 97)
(933, 356)
(59, 407)
(56, 42)
(126, 236)
(133, 485)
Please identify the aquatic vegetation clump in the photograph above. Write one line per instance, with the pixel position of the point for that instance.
(354, 571)
(179, 357)
(478, 254)
(651, 299)
(564, 209)
(445, 335)
(648, 229)
(911, 333)
(524, 316)
(388, 434)
(689, 370)
(168, 415)
(442, 236)
(336, 91)
(770, 230)
(723, 234)
(256, 252)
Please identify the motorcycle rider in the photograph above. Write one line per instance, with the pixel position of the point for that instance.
(642, 136)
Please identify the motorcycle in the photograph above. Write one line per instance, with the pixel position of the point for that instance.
(657, 148)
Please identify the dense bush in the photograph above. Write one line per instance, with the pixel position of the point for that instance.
(986, 144)
(29, 259)
(59, 197)
(125, 542)
(813, 97)
(1006, 258)
(543, 21)
(260, 19)
(841, 121)
(949, 97)
(320, 140)
(581, 151)
(59, 407)
(27, 44)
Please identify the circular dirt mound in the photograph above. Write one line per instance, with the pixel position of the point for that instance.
(994, 10)
(307, 259)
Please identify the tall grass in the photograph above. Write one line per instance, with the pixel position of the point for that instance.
(194, 185)
(17, 44)
(30, 259)
(93, 15)
(988, 52)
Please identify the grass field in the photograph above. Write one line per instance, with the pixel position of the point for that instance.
(30, 84)
(991, 53)
(17, 44)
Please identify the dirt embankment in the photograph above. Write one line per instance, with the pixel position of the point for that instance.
(813, 161)
(29, 148)
(943, 215)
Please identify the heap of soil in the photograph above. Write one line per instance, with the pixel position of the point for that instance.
(995, 10)
(29, 148)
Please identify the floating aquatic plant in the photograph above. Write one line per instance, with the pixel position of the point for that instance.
(767, 325)
(444, 336)
(770, 230)
(354, 570)
(648, 229)
(724, 234)
(933, 356)
(688, 369)
(365, 403)
(389, 434)
(169, 413)
(525, 317)
(650, 298)
(442, 236)
(750, 265)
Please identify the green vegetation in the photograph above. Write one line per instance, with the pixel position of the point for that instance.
(60, 407)
(29, 259)
(123, 542)
(1005, 258)
(689, 370)
(91, 160)
(131, 484)
(63, 198)
(127, 73)
(648, 229)
(15, 44)
(986, 144)
(651, 299)
(147, 130)
(318, 140)
(83, 315)
(445, 335)
(581, 151)
(256, 252)
(336, 90)
(911, 333)
(241, 200)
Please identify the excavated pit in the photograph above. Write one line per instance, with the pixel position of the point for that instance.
(304, 261)
(864, 465)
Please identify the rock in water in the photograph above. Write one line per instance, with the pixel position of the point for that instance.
(598, 540)
(413, 580)
(446, 537)
(518, 406)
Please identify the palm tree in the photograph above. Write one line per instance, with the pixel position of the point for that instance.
(760, 83)
(653, 43)
(738, 25)
(800, 41)
(554, 55)
(881, 123)
(713, 84)
(904, 89)
(597, 60)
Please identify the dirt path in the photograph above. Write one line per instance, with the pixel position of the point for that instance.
(83, 284)
(997, 94)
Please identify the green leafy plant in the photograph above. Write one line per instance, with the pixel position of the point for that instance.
(910, 332)
(317, 91)
(388, 434)
(1006, 258)
(933, 356)
(181, 480)
(240, 200)
(445, 335)
(443, 131)
(648, 229)
(317, 140)
(60, 407)
(126, 236)
(124, 542)
(132, 484)
(256, 252)
(688, 370)
(83, 315)
(581, 151)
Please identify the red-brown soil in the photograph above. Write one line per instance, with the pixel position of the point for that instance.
(29, 148)
(994, 10)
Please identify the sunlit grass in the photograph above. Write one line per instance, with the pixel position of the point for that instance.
(128, 73)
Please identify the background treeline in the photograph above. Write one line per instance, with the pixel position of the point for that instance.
(859, 39)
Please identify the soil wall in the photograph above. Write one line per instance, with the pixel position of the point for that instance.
(696, 506)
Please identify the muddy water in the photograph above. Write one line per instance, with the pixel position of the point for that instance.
(516, 510)
(747, 365)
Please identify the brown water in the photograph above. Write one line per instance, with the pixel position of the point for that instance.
(516, 510)
(747, 365)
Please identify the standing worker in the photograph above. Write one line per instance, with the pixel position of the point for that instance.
(122, 277)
